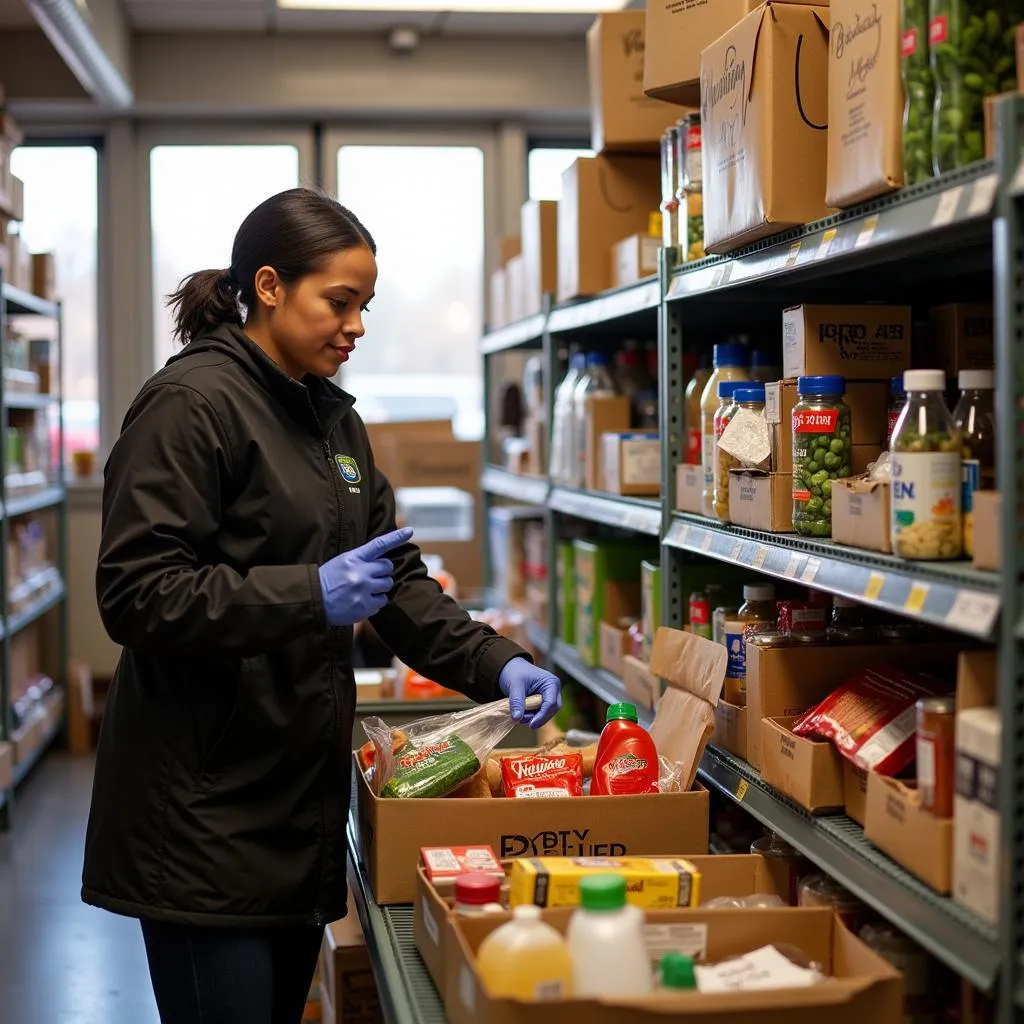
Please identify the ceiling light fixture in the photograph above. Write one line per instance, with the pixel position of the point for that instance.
(459, 6)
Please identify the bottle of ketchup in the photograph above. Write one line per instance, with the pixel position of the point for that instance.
(626, 761)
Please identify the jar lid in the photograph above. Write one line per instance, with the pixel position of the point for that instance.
(475, 889)
(617, 712)
(758, 592)
(977, 380)
(937, 705)
(924, 380)
(728, 353)
(829, 384)
(750, 393)
(603, 892)
(728, 388)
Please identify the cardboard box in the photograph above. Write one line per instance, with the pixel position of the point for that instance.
(675, 34)
(498, 299)
(861, 985)
(6, 765)
(614, 647)
(988, 537)
(730, 728)
(538, 224)
(989, 103)
(622, 117)
(607, 589)
(721, 875)
(807, 771)
(642, 686)
(631, 463)
(604, 199)
(12, 199)
(861, 514)
(634, 258)
(603, 415)
(689, 488)
(764, 79)
(650, 604)
(868, 402)
(760, 500)
(348, 989)
(897, 824)
(515, 289)
(865, 103)
(44, 275)
(961, 337)
(779, 398)
(855, 791)
(857, 342)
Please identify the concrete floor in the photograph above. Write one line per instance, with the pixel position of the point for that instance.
(62, 962)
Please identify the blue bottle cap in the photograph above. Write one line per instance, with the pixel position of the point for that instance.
(830, 384)
(730, 354)
(727, 388)
(749, 393)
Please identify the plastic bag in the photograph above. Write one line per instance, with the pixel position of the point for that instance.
(670, 776)
(758, 901)
(439, 753)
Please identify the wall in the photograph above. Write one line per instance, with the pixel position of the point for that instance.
(87, 639)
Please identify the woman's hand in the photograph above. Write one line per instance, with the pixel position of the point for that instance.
(356, 584)
(520, 679)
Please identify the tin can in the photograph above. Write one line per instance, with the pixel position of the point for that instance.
(718, 620)
(802, 616)
(700, 614)
(936, 754)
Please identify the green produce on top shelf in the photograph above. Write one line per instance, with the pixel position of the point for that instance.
(972, 56)
(918, 94)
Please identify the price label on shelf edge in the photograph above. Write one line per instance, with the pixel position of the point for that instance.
(973, 612)
(794, 565)
(741, 789)
(867, 231)
(916, 599)
(826, 243)
(945, 211)
(709, 539)
(737, 550)
(810, 570)
(760, 557)
(983, 195)
(873, 588)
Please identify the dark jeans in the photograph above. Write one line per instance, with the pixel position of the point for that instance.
(231, 975)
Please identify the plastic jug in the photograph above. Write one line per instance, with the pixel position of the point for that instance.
(526, 959)
(626, 762)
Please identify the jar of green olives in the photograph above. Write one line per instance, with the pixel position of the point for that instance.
(822, 451)
(918, 93)
(971, 43)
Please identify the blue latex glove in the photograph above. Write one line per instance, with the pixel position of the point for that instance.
(520, 679)
(355, 584)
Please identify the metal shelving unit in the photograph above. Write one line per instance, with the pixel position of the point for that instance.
(638, 514)
(531, 490)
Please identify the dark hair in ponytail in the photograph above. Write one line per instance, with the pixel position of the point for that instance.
(295, 232)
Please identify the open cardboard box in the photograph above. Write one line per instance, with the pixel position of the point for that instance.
(810, 772)
(642, 686)
(855, 791)
(859, 986)
(730, 728)
(860, 514)
(760, 500)
(690, 488)
(727, 875)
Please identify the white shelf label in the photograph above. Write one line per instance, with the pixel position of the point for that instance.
(973, 612)
(760, 557)
(794, 565)
(709, 539)
(945, 212)
(983, 195)
(810, 570)
(737, 550)
(826, 243)
(867, 231)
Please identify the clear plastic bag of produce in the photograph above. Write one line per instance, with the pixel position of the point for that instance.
(434, 756)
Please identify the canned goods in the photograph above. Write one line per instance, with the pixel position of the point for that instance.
(936, 754)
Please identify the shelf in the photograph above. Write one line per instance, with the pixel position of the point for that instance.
(20, 303)
(28, 400)
(914, 221)
(598, 681)
(34, 502)
(522, 332)
(531, 490)
(637, 298)
(836, 843)
(538, 637)
(952, 595)
(407, 993)
(22, 770)
(639, 514)
(19, 621)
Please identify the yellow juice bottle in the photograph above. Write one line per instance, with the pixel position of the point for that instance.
(526, 959)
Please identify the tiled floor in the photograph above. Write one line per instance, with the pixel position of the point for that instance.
(62, 962)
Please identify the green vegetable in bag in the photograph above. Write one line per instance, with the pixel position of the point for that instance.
(431, 771)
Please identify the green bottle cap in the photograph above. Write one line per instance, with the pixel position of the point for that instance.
(677, 971)
(619, 711)
(603, 892)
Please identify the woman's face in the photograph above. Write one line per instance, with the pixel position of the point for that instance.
(312, 325)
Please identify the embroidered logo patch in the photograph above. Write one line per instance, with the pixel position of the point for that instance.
(349, 469)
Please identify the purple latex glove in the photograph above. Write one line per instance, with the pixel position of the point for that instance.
(520, 679)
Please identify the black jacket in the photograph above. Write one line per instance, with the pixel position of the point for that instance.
(223, 773)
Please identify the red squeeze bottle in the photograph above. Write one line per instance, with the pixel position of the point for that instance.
(627, 760)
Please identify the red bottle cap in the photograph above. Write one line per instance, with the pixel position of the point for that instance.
(476, 889)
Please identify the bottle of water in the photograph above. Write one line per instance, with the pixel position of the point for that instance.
(563, 451)
(596, 382)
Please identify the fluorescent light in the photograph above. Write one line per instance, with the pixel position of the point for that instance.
(459, 6)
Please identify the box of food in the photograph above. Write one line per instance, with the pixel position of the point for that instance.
(538, 225)
(614, 647)
(602, 415)
(988, 530)
(634, 258)
(730, 728)
(754, 187)
(860, 514)
(855, 791)
(604, 199)
(856, 342)
(865, 103)
(622, 117)
(690, 488)
(631, 463)
(348, 990)
(961, 337)
(760, 500)
(807, 771)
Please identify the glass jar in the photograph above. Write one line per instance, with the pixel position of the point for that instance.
(897, 399)
(719, 617)
(744, 396)
(669, 202)
(693, 164)
(918, 93)
(689, 193)
(974, 417)
(971, 44)
(758, 611)
(847, 613)
(822, 451)
(730, 361)
(925, 519)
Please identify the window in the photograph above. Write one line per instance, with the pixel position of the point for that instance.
(424, 206)
(199, 195)
(61, 214)
(544, 170)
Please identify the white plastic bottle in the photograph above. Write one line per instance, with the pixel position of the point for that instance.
(595, 382)
(606, 942)
(563, 451)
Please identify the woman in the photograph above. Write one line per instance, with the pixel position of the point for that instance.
(246, 530)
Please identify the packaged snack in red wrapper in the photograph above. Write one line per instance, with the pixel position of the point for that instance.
(542, 776)
(871, 717)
